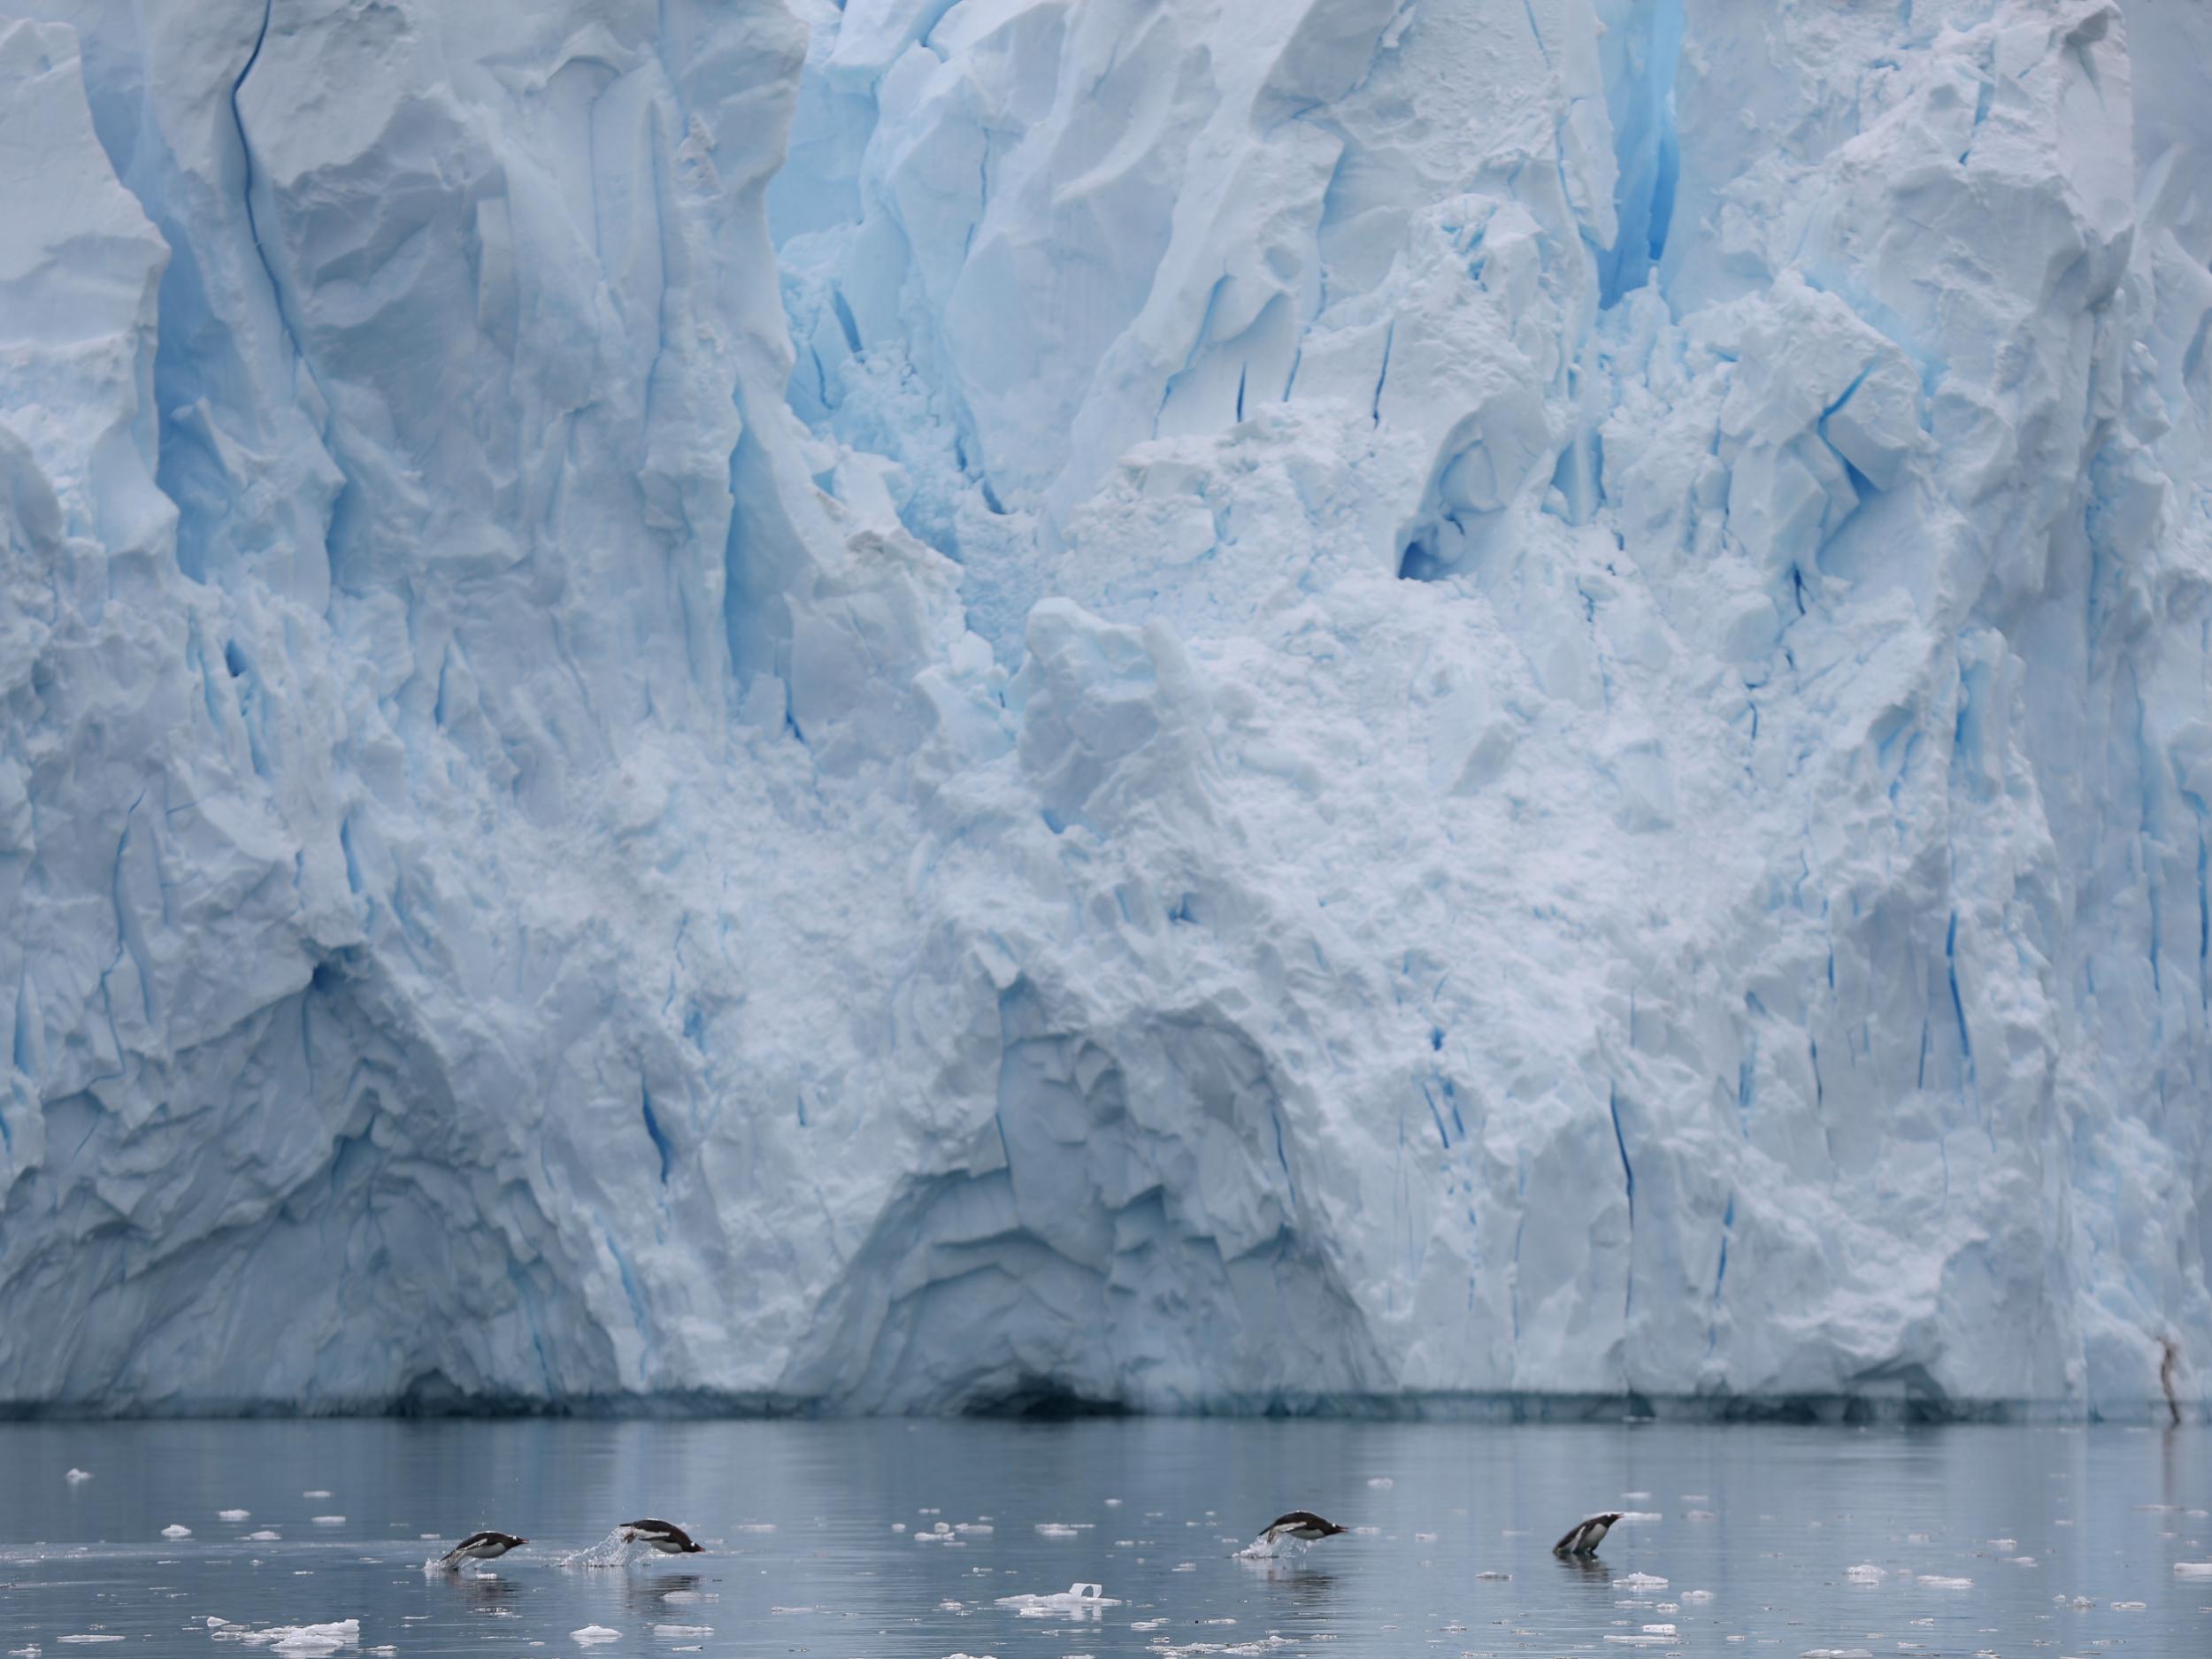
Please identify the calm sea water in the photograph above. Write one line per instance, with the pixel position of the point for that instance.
(1985, 1537)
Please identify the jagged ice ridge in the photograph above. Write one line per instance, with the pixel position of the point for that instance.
(1366, 702)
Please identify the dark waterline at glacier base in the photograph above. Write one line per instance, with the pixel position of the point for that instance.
(1986, 1536)
(1908, 1400)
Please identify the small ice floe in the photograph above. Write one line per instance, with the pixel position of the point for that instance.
(2019, 1561)
(595, 1633)
(673, 1631)
(1865, 1572)
(1083, 1601)
(1831, 1652)
(2081, 1604)
(2129, 1606)
(1113, 1503)
(234, 1515)
(1938, 1581)
(757, 1526)
(1658, 1630)
(2004, 1543)
(383, 1650)
(1147, 1624)
(1640, 1641)
(316, 1492)
(75, 1475)
(1695, 1515)
(1381, 1482)
(2192, 1569)
(32, 1652)
(898, 1526)
(328, 1520)
(296, 1639)
(99, 1637)
(974, 1529)
(174, 1531)
(1697, 1595)
(1493, 1578)
(1425, 1538)
(1639, 1581)
(264, 1536)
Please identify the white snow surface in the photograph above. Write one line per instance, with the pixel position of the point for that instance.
(1195, 704)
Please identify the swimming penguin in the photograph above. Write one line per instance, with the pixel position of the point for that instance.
(667, 1538)
(1302, 1525)
(1583, 1537)
(481, 1546)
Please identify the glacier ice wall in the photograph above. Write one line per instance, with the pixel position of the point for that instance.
(919, 703)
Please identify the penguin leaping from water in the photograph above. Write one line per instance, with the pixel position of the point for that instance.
(481, 1546)
(1302, 1525)
(1583, 1537)
(665, 1536)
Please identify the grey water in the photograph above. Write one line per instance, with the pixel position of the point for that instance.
(1988, 1540)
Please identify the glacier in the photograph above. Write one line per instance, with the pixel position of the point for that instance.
(1415, 705)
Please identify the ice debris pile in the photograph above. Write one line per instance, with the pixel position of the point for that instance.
(923, 703)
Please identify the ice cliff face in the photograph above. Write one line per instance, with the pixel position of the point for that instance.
(1188, 703)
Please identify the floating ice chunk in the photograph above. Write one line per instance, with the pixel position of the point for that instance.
(1635, 1497)
(1082, 1600)
(1493, 1578)
(1658, 1630)
(2004, 1543)
(1113, 1503)
(1381, 1482)
(1640, 1641)
(1830, 1653)
(102, 1637)
(898, 1526)
(1639, 1581)
(295, 1639)
(1865, 1572)
(1938, 1581)
(75, 1475)
(2020, 1561)
(316, 1492)
(1425, 1538)
(317, 1639)
(2082, 1604)
(234, 1515)
(330, 1520)
(264, 1536)
(1055, 1529)
(32, 1652)
(1697, 1595)
(683, 1630)
(1147, 1624)
(2194, 1569)
(974, 1529)
(174, 1531)
(2129, 1606)
(597, 1632)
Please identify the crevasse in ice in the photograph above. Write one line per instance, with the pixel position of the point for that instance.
(1178, 701)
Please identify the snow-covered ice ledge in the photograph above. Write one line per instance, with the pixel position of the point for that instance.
(1489, 705)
